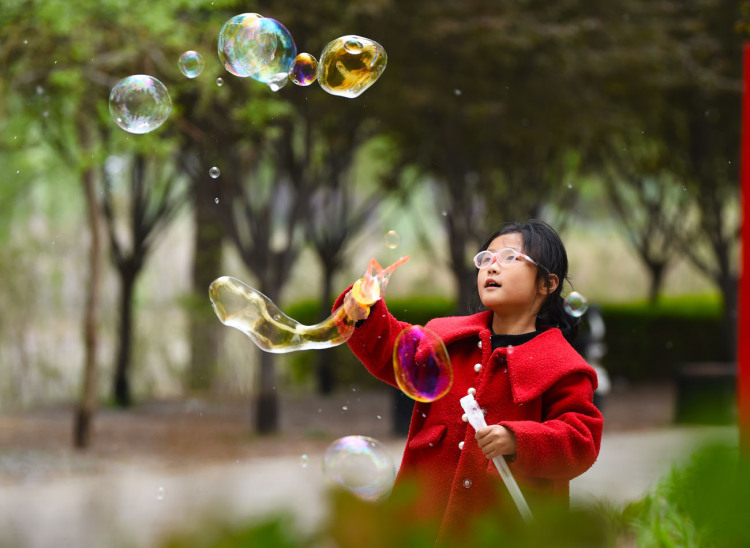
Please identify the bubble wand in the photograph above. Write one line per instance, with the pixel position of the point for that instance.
(476, 419)
(245, 308)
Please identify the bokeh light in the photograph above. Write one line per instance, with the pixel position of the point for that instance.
(191, 64)
(361, 465)
(350, 64)
(139, 103)
(258, 47)
(421, 364)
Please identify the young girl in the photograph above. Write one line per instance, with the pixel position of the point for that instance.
(535, 390)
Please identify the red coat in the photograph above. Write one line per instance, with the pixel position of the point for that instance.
(542, 390)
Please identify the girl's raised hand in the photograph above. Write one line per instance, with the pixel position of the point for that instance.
(495, 440)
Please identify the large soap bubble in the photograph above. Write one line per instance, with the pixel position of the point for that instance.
(258, 47)
(139, 103)
(350, 64)
(421, 364)
(361, 465)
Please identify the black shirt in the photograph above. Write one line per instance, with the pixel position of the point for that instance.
(504, 341)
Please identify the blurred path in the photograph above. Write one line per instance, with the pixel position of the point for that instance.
(134, 506)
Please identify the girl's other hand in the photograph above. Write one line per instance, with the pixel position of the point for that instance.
(495, 440)
(354, 310)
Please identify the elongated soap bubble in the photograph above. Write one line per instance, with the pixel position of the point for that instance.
(576, 304)
(245, 308)
(304, 69)
(421, 364)
(350, 64)
(191, 64)
(258, 47)
(139, 103)
(361, 465)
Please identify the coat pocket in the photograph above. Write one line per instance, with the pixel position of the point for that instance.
(429, 437)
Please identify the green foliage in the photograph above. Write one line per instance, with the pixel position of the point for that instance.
(702, 504)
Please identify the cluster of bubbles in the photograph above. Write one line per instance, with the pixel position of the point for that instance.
(576, 304)
(421, 364)
(261, 48)
(361, 465)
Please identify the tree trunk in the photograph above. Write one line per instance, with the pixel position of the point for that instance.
(324, 358)
(84, 415)
(266, 404)
(207, 256)
(122, 392)
(656, 280)
(729, 292)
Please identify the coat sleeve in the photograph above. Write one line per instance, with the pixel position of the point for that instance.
(566, 442)
(373, 341)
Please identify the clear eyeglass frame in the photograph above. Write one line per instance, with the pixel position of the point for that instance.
(504, 257)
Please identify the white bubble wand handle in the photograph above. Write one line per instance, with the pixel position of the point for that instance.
(476, 419)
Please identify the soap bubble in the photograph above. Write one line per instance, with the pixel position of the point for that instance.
(304, 69)
(214, 172)
(220, 81)
(576, 304)
(258, 47)
(361, 465)
(350, 64)
(139, 103)
(421, 364)
(392, 239)
(191, 64)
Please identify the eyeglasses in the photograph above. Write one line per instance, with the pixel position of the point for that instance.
(505, 257)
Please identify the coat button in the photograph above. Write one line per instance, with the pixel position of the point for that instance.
(461, 445)
(465, 417)
(472, 391)
(479, 344)
(477, 367)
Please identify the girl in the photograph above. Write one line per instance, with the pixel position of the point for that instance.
(535, 390)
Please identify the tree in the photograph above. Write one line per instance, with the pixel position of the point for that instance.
(154, 196)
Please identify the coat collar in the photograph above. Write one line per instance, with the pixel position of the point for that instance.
(533, 367)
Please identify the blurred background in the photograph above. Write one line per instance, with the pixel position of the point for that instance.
(616, 122)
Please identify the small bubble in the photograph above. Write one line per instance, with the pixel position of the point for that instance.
(392, 239)
(576, 304)
(304, 461)
(216, 200)
(160, 493)
(344, 408)
(214, 172)
(379, 417)
(220, 82)
(467, 483)
(457, 92)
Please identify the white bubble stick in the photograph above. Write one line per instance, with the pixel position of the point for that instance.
(476, 419)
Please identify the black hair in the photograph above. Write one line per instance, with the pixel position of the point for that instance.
(543, 244)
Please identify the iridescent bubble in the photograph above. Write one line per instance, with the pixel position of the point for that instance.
(350, 64)
(361, 465)
(220, 81)
(258, 47)
(191, 64)
(214, 172)
(421, 364)
(576, 304)
(245, 308)
(139, 103)
(304, 69)
(392, 239)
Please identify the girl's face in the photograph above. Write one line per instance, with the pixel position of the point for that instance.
(513, 290)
